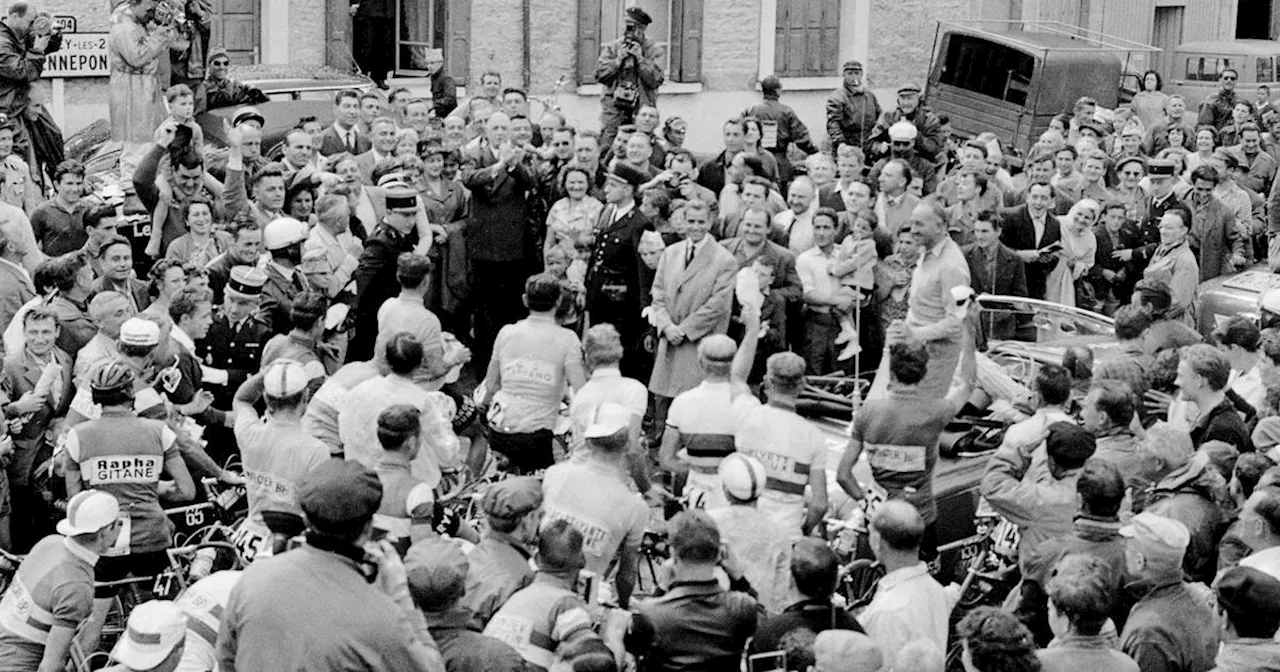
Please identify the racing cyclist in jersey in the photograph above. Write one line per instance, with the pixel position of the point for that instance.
(52, 593)
(277, 454)
(128, 457)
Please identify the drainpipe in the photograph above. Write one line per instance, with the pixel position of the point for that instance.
(526, 40)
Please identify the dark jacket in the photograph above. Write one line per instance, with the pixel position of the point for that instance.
(464, 649)
(234, 349)
(696, 625)
(375, 279)
(851, 117)
(1098, 537)
(1020, 234)
(1170, 629)
(1223, 423)
(277, 298)
(711, 174)
(812, 615)
(1190, 495)
(1214, 237)
(617, 281)
(1010, 280)
(444, 94)
(1121, 287)
(19, 67)
(1216, 110)
(499, 207)
(929, 137)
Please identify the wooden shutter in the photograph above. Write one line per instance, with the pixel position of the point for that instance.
(588, 39)
(686, 41)
(807, 38)
(457, 54)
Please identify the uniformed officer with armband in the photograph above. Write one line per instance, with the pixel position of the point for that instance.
(238, 333)
(283, 239)
(616, 279)
(500, 562)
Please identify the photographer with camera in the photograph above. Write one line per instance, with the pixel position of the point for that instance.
(136, 47)
(631, 71)
(26, 38)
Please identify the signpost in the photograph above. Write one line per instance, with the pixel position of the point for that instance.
(81, 55)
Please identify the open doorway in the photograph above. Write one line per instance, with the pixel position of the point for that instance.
(1253, 20)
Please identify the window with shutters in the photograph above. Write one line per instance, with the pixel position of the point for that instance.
(676, 31)
(807, 38)
(422, 25)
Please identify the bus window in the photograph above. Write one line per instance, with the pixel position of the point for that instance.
(1206, 69)
(1266, 70)
(988, 68)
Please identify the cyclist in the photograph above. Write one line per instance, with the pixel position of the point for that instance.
(203, 603)
(126, 456)
(277, 453)
(52, 593)
(408, 504)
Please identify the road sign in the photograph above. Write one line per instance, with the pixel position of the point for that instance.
(81, 55)
(66, 24)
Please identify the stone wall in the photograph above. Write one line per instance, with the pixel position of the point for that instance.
(307, 31)
(902, 33)
(730, 44)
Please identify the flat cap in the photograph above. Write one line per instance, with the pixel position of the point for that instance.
(625, 173)
(1126, 160)
(1157, 534)
(1070, 444)
(340, 495)
(437, 571)
(851, 65)
(513, 497)
(903, 131)
(639, 16)
(910, 87)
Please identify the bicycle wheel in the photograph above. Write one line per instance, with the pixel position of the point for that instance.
(861, 577)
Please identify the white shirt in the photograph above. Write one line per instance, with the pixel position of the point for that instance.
(1249, 386)
(799, 228)
(909, 605)
(814, 268)
(594, 498)
(620, 211)
(346, 135)
(358, 424)
(606, 385)
(1038, 225)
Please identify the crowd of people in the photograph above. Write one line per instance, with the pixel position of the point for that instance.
(422, 288)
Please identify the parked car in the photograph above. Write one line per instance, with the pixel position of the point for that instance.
(290, 100)
(1195, 67)
(1051, 329)
(1013, 77)
(1235, 294)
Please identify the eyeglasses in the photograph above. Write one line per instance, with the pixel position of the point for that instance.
(1132, 173)
(220, 62)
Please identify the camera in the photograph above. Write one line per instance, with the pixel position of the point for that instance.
(170, 13)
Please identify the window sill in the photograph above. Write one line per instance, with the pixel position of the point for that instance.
(809, 83)
(665, 88)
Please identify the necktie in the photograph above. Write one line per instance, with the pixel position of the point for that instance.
(351, 141)
(688, 255)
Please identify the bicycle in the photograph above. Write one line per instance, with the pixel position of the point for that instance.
(9, 563)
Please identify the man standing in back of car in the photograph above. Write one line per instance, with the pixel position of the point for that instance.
(631, 72)
(852, 110)
(1216, 110)
(374, 27)
(780, 126)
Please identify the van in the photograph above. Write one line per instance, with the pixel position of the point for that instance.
(1012, 77)
(1195, 67)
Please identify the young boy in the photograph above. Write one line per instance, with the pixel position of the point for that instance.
(188, 137)
(408, 504)
(855, 266)
(571, 274)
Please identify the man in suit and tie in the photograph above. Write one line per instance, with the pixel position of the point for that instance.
(15, 283)
(501, 183)
(692, 299)
(283, 239)
(383, 132)
(1028, 229)
(616, 279)
(343, 135)
(994, 269)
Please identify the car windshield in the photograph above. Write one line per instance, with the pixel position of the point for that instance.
(1032, 321)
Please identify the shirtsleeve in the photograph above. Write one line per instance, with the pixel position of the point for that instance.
(72, 445)
(819, 447)
(71, 603)
(169, 440)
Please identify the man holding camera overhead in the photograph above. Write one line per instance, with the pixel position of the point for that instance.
(630, 69)
(25, 39)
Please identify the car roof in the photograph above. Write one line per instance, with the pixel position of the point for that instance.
(1231, 47)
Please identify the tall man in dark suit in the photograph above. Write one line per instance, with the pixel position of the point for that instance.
(994, 269)
(343, 135)
(1028, 229)
(616, 279)
(375, 276)
(502, 186)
